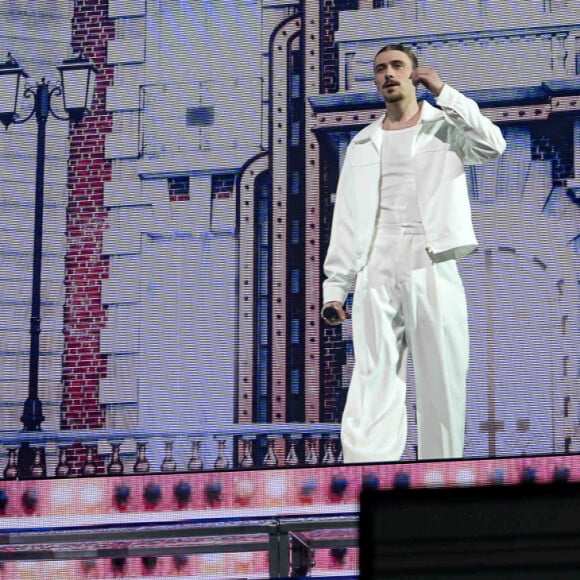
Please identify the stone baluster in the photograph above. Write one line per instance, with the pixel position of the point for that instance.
(38, 467)
(115, 466)
(247, 459)
(168, 464)
(292, 456)
(195, 462)
(11, 469)
(328, 458)
(221, 461)
(63, 468)
(141, 464)
(311, 450)
(90, 467)
(270, 459)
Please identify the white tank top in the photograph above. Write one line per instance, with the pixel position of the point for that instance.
(398, 200)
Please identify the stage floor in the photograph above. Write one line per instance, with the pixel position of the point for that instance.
(260, 523)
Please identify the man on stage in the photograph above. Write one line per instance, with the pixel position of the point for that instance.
(401, 220)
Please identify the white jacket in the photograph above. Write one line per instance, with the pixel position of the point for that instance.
(447, 139)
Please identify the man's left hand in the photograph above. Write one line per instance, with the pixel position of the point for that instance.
(428, 77)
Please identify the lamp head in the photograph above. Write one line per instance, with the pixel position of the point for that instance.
(77, 81)
(10, 74)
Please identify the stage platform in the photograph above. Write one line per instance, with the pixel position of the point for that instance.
(261, 523)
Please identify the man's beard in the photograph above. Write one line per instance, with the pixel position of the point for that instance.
(393, 98)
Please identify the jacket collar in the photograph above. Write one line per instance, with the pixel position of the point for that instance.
(373, 132)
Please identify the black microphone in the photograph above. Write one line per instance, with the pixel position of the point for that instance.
(330, 314)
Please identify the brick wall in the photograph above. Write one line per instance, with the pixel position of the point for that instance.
(333, 354)
(329, 52)
(332, 348)
(85, 268)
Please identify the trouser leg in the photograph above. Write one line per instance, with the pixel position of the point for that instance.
(437, 334)
(374, 423)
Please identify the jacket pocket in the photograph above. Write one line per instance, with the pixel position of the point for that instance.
(364, 154)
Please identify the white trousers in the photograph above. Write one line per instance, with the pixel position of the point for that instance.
(404, 303)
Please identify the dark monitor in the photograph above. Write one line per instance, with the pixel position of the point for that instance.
(524, 531)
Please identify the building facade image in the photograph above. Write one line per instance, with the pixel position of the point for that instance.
(187, 218)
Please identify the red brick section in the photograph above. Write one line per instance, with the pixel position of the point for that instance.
(85, 267)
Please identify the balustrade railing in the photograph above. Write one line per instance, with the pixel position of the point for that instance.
(85, 453)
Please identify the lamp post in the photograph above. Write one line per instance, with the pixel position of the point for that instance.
(76, 87)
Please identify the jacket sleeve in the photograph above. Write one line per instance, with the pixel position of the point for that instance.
(480, 139)
(339, 265)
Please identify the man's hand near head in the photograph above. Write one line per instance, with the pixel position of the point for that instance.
(428, 77)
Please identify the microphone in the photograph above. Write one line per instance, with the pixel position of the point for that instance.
(330, 314)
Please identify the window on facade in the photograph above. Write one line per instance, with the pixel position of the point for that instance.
(200, 116)
(295, 183)
(178, 188)
(347, 4)
(295, 232)
(295, 281)
(222, 185)
(295, 381)
(295, 331)
(263, 327)
(223, 212)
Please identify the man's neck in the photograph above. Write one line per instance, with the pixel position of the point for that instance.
(402, 114)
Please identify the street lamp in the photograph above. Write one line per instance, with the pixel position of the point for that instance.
(10, 75)
(76, 87)
(77, 77)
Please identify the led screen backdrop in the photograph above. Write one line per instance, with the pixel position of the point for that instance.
(186, 218)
